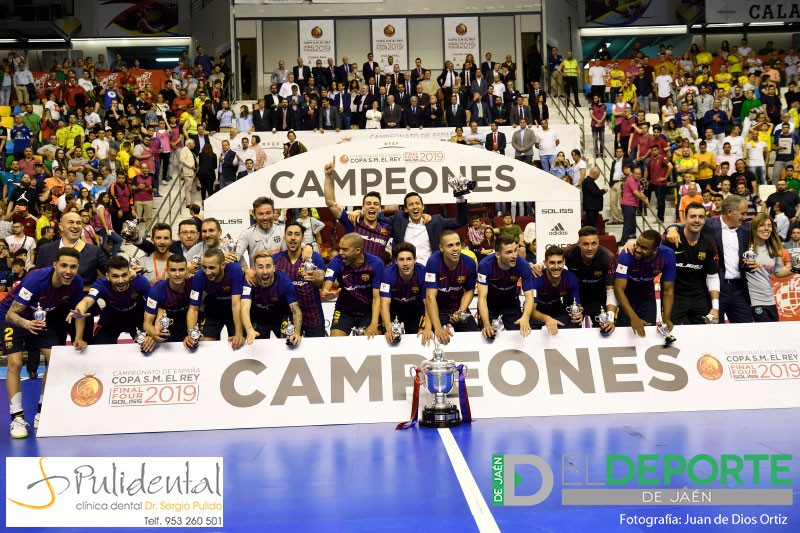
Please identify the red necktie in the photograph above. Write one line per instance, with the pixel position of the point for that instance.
(396, 82)
(494, 146)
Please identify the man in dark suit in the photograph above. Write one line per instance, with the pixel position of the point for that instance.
(329, 118)
(732, 238)
(447, 79)
(272, 100)
(418, 73)
(487, 66)
(342, 101)
(201, 139)
(401, 97)
(496, 140)
(368, 70)
(423, 98)
(433, 115)
(248, 169)
(392, 114)
(413, 116)
(479, 111)
(187, 238)
(397, 77)
(309, 117)
(283, 119)
(454, 114)
(414, 209)
(301, 73)
(520, 111)
(536, 92)
(343, 71)
(262, 117)
(228, 165)
(592, 196)
(360, 102)
(479, 84)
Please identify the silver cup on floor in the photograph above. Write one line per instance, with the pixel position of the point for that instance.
(439, 375)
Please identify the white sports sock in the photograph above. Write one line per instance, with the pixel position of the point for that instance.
(15, 405)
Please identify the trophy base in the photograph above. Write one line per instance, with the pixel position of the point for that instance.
(440, 417)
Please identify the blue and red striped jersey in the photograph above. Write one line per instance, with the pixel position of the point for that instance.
(37, 289)
(641, 274)
(407, 297)
(356, 283)
(450, 284)
(221, 292)
(174, 303)
(307, 294)
(375, 239)
(553, 299)
(503, 290)
(270, 304)
(121, 304)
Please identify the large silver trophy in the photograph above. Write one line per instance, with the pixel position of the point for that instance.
(130, 229)
(461, 185)
(439, 375)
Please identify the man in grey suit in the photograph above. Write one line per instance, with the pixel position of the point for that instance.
(523, 141)
(329, 118)
(520, 111)
(392, 113)
(479, 84)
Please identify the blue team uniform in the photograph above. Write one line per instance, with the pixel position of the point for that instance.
(553, 300)
(270, 305)
(307, 294)
(375, 239)
(504, 291)
(37, 289)
(354, 305)
(124, 310)
(175, 304)
(407, 297)
(218, 309)
(641, 275)
(451, 286)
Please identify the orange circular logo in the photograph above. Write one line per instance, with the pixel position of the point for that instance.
(461, 29)
(709, 367)
(344, 159)
(86, 391)
(316, 32)
(388, 31)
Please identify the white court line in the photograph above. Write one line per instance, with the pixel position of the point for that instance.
(477, 505)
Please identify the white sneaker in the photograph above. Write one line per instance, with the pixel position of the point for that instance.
(36, 421)
(19, 428)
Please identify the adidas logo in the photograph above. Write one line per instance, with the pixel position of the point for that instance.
(558, 229)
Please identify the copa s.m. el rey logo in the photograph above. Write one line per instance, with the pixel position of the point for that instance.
(86, 391)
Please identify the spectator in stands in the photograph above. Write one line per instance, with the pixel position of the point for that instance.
(24, 83)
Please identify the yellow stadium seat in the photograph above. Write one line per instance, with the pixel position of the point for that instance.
(7, 122)
(5, 111)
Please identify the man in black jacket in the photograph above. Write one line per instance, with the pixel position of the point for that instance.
(262, 117)
(228, 165)
(592, 197)
(187, 238)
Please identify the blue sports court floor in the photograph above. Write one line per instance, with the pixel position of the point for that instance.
(366, 478)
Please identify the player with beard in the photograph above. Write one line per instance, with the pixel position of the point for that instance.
(306, 283)
(124, 294)
(449, 287)
(154, 266)
(555, 291)
(696, 271)
(403, 294)
(498, 293)
(210, 234)
(376, 234)
(268, 302)
(56, 289)
(170, 296)
(594, 266)
(634, 283)
(220, 283)
(359, 275)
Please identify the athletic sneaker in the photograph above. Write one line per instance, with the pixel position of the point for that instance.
(19, 428)
(36, 421)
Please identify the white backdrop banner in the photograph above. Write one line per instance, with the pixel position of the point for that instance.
(317, 41)
(461, 37)
(390, 38)
(395, 168)
(729, 11)
(357, 380)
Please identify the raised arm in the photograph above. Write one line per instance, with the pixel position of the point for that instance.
(330, 194)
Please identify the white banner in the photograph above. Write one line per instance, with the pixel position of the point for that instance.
(558, 222)
(395, 168)
(729, 11)
(114, 492)
(390, 38)
(317, 41)
(358, 380)
(461, 37)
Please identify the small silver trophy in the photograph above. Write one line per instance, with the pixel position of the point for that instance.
(130, 228)
(308, 265)
(227, 244)
(140, 338)
(461, 185)
(497, 325)
(288, 332)
(663, 329)
(602, 319)
(398, 329)
(137, 265)
(750, 254)
(165, 322)
(461, 315)
(574, 309)
(39, 313)
(439, 375)
(357, 331)
(195, 334)
(710, 319)
(196, 258)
